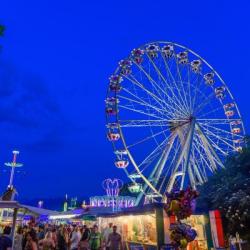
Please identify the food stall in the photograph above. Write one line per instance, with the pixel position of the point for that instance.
(147, 227)
(140, 228)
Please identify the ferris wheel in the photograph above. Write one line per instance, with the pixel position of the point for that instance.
(171, 118)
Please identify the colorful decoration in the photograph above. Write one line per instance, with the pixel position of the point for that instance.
(13, 165)
(112, 198)
(217, 229)
(112, 187)
(181, 204)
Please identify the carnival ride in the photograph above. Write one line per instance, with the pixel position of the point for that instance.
(171, 118)
(112, 198)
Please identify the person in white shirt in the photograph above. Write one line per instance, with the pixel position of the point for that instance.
(106, 232)
(75, 238)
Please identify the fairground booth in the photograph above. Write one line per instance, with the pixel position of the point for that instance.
(148, 228)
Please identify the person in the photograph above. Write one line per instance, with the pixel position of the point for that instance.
(115, 240)
(5, 241)
(62, 238)
(95, 239)
(75, 238)
(54, 235)
(18, 239)
(31, 243)
(41, 233)
(106, 232)
(84, 242)
(47, 243)
(25, 232)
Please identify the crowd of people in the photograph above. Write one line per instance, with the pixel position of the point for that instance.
(63, 237)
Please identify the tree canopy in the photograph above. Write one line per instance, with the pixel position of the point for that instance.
(229, 191)
(2, 28)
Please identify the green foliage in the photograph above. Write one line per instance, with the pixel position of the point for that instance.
(229, 191)
(2, 29)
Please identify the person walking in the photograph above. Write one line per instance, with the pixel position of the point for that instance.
(84, 242)
(75, 238)
(18, 239)
(5, 241)
(31, 243)
(115, 240)
(95, 239)
(47, 243)
(62, 239)
(106, 232)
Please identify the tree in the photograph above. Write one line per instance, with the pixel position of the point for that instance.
(229, 191)
(2, 29)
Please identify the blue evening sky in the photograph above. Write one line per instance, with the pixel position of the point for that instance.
(54, 68)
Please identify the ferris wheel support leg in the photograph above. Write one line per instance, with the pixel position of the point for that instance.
(185, 154)
(161, 163)
(191, 177)
(156, 173)
(188, 145)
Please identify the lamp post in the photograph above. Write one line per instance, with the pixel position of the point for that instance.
(13, 165)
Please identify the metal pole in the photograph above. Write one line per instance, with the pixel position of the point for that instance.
(13, 231)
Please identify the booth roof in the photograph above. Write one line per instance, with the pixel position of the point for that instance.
(9, 204)
(39, 211)
(133, 210)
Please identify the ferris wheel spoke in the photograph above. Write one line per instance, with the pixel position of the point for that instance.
(173, 80)
(225, 141)
(147, 138)
(215, 121)
(224, 137)
(197, 84)
(140, 111)
(219, 150)
(156, 151)
(203, 104)
(146, 123)
(176, 99)
(216, 146)
(157, 88)
(144, 103)
(212, 112)
(160, 101)
(225, 132)
(189, 89)
(180, 95)
(184, 93)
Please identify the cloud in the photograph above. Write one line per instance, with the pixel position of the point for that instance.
(28, 110)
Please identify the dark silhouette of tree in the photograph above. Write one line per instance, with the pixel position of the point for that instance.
(2, 28)
(229, 191)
